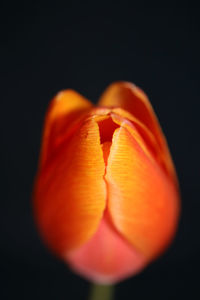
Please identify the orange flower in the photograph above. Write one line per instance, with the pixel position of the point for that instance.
(106, 195)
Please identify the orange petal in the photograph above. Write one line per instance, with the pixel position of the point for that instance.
(143, 202)
(70, 192)
(106, 258)
(125, 123)
(129, 97)
(64, 111)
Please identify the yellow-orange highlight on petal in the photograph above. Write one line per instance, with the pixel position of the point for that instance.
(106, 195)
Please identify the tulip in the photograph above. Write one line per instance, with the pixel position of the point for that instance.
(106, 196)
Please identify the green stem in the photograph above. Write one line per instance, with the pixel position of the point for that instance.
(101, 292)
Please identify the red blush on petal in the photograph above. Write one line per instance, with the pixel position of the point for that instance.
(106, 258)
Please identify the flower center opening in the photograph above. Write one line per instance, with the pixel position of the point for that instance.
(106, 130)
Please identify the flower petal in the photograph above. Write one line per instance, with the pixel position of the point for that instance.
(63, 113)
(106, 258)
(70, 192)
(143, 202)
(129, 97)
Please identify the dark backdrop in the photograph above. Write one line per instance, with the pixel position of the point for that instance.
(85, 46)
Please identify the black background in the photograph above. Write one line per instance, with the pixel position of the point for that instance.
(85, 46)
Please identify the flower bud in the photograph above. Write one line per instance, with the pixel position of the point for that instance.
(106, 195)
